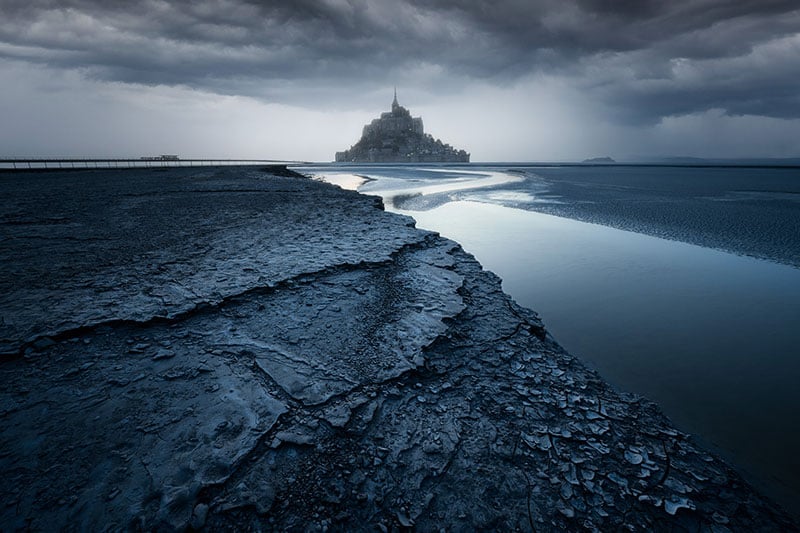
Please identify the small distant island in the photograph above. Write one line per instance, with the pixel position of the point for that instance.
(397, 137)
(599, 161)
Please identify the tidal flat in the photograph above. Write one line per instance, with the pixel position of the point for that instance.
(637, 270)
(234, 348)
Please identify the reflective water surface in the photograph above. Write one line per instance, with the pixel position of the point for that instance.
(712, 337)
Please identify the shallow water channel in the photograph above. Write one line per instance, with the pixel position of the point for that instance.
(710, 336)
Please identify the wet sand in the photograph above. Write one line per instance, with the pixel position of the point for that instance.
(226, 348)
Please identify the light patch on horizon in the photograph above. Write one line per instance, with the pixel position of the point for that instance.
(99, 119)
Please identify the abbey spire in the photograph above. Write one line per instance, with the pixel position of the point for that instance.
(395, 105)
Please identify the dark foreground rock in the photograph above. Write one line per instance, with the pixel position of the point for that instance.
(226, 349)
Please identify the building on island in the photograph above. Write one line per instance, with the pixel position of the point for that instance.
(397, 137)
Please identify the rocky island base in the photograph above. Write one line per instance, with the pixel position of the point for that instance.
(233, 349)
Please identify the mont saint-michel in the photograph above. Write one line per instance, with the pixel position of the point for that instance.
(397, 137)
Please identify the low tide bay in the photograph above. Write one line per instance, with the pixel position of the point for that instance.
(710, 335)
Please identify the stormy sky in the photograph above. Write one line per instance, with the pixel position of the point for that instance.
(520, 80)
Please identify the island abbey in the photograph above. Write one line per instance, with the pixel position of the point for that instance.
(397, 137)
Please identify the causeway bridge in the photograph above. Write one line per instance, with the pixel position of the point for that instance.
(47, 163)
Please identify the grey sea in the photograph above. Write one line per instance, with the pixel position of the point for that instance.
(678, 283)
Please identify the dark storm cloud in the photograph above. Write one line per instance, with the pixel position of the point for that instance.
(650, 58)
(765, 81)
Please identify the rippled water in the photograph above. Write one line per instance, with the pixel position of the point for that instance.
(711, 336)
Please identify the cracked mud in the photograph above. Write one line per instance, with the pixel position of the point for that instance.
(230, 349)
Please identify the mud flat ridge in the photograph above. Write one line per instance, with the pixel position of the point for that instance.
(233, 349)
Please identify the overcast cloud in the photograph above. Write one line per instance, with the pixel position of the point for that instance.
(508, 79)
